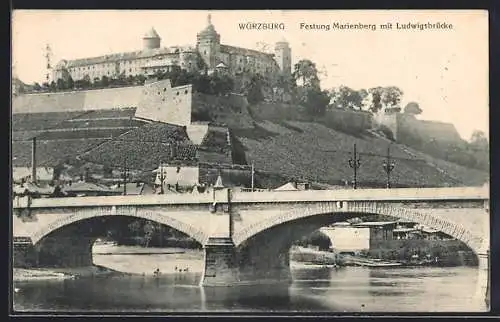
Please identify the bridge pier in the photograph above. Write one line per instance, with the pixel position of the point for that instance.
(65, 252)
(483, 278)
(220, 263)
(227, 266)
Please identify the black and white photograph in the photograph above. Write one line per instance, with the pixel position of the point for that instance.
(250, 161)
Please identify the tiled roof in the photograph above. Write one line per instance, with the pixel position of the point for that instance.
(243, 51)
(87, 187)
(151, 33)
(128, 56)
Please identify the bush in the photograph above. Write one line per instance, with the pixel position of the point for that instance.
(386, 132)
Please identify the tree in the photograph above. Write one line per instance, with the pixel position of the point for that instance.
(96, 83)
(346, 97)
(60, 84)
(104, 81)
(384, 97)
(316, 101)
(391, 96)
(306, 73)
(53, 86)
(412, 108)
(86, 82)
(70, 84)
(478, 140)
(376, 93)
(140, 79)
(263, 47)
(254, 90)
(135, 227)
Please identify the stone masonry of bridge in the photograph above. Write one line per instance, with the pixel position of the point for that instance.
(247, 235)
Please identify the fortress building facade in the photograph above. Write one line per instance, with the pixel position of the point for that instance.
(208, 54)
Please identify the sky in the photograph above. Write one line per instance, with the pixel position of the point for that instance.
(444, 70)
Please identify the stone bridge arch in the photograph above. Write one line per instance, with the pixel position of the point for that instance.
(83, 214)
(296, 213)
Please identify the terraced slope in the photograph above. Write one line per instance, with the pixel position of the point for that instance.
(314, 152)
(301, 150)
(62, 136)
(145, 147)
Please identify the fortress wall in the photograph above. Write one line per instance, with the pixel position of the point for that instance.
(196, 132)
(388, 120)
(408, 125)
(335, 118)
(354, 120)
(162, 102)
(113, 98)
(77, 100)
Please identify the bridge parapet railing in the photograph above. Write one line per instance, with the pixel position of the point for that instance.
(114, 201)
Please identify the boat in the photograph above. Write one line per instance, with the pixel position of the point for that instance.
(103, 246)
(349, 260)
(294, 264)
(310, 256)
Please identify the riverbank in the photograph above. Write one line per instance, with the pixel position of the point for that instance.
(34, 274)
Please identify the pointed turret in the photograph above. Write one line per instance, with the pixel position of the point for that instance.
(208, 44)
(218, 183)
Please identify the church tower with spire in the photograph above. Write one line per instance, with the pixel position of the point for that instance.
(208, 44)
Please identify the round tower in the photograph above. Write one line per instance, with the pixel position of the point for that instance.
(283, 56)
(151, 39)
(208, 44)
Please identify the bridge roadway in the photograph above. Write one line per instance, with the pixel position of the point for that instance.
(247, 235)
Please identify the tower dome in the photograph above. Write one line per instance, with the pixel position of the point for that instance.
(209, 30)
(151, 39)
(282, 43)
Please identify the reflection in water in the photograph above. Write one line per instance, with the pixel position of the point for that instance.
(314, 289)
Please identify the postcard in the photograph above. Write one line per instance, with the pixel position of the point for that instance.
(275, 161)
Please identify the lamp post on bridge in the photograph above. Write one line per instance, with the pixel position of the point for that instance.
(162, 191)
(388, 166)
(355, 163)
(125, 174)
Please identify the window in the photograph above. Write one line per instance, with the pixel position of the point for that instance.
(186, 91)
(177, 93)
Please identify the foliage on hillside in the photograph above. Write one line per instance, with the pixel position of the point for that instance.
(230, 110)
(462, 153)
(321, 154)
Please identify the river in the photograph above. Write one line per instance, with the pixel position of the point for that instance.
(349, 289)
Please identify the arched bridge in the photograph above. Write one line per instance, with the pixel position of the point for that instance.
(247, 235)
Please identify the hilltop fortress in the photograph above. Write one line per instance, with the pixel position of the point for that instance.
(196, 134)
(208, 54)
